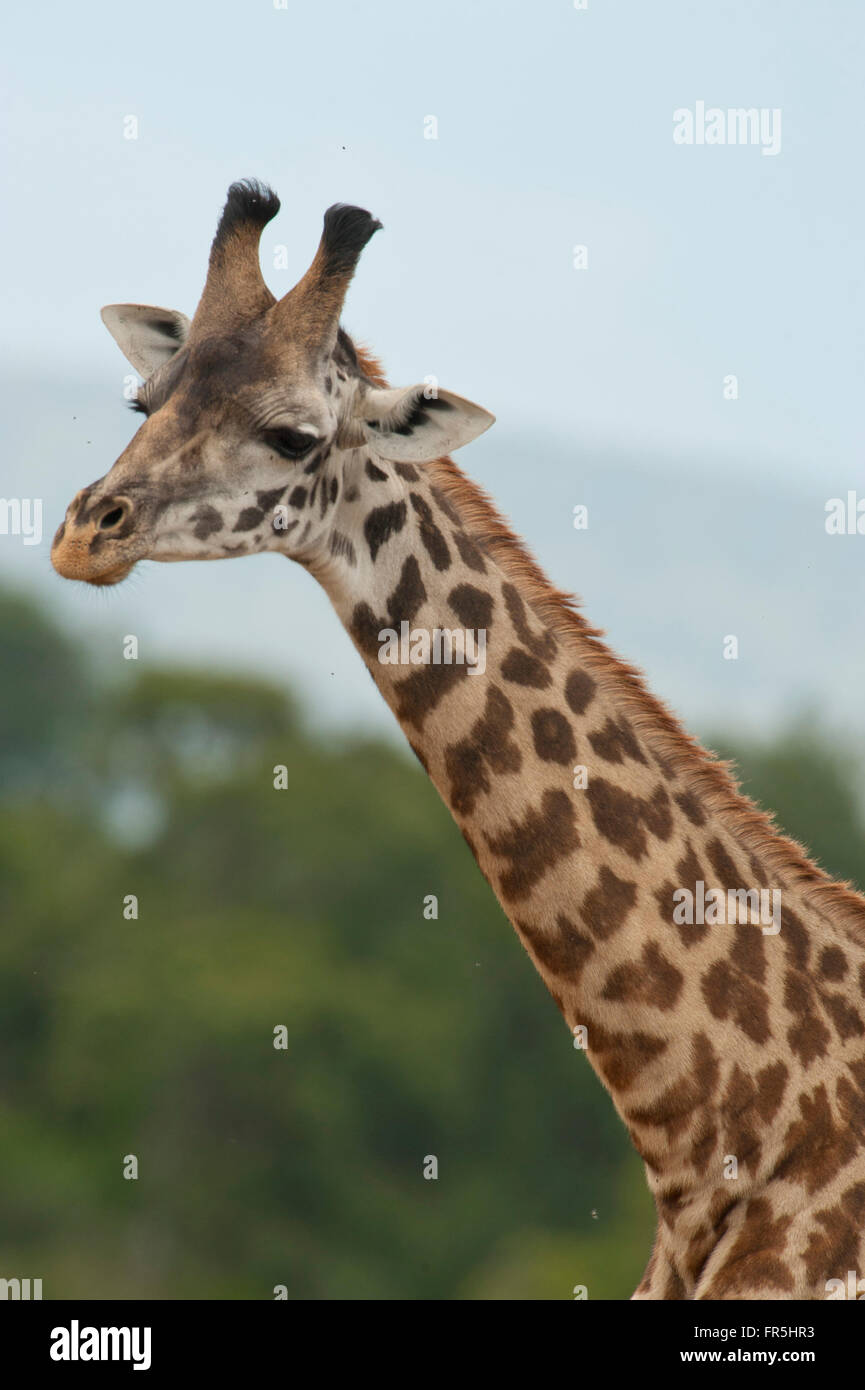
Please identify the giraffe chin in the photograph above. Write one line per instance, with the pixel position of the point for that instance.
(69, 564)
(111, 577)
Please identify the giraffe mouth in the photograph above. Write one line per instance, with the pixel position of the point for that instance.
(73, 558)
(69, 568)
(110, 577)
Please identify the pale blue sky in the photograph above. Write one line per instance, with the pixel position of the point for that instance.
(555, 128)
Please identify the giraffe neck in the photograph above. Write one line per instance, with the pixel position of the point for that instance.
(585, 826)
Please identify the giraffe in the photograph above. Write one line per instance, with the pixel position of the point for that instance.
(732, 1043)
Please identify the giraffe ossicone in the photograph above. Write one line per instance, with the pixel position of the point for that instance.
(734, 1055)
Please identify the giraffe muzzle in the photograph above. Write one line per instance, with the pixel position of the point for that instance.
(97, 541)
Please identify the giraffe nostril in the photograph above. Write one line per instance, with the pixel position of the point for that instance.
(112, 518)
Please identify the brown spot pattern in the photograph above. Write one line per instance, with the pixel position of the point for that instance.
(674, 1109)
(543, 644)
(623, 818)
(651, 980)
(836, 1248)
(562, 952)
(537, 842)
(749, 1103)
(622, 1057)
(606, 906)
(469, 552)
(487, 747)
(553, 737)
(579, 691)
(409, 595)
(473, 607)
(616, 741)
(208, 520)
(431, 537)
(816, 1148)
(423, 691)
(833, 963)
(521, 668)
(756, 1257)
(691, 807)
(728, 874)
(729, 993)
(809, 1037)
(381, 524)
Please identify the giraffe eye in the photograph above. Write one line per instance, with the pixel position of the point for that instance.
(288, 443)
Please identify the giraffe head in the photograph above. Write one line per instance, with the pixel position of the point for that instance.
(251, 407)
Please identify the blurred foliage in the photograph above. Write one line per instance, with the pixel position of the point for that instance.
(301, 908)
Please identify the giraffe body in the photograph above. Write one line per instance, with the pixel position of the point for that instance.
(733, 1045)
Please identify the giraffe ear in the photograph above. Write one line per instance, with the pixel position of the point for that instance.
(146, 336)
(414, 425)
